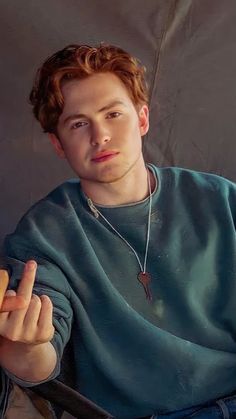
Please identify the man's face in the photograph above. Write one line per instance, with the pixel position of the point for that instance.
(99, 130)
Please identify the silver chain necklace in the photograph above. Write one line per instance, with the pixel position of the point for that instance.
(143, 276)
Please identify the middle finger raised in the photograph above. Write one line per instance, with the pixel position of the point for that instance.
(26, 284)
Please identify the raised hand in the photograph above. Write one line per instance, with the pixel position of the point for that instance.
(32, 323)
(25, 333)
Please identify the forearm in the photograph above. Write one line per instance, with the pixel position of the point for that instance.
(32, 363)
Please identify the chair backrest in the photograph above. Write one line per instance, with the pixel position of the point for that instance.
(60, 392)
(70, 400)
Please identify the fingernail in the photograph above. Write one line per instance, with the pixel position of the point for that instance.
(31, 265)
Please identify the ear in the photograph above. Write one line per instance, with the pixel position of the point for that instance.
(57, 145)
(143, 115)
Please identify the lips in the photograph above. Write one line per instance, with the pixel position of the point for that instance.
(104, 155)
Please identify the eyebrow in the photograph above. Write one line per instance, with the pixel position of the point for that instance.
(104, 108)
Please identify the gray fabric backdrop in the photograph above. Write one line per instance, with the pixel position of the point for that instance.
(189, 49)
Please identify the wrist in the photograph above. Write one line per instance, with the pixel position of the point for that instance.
(30, 362)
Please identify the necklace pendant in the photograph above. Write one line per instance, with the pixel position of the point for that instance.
(145, 279)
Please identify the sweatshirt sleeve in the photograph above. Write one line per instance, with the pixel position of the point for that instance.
(29, 241)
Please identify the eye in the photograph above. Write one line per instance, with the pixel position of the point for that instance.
(113, 115)
(78, 124)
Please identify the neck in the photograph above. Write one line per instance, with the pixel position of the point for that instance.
(131, 188)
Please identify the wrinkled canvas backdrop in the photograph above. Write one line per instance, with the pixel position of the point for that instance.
(189, 50)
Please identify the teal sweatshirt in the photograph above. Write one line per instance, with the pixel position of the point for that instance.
(134, 357)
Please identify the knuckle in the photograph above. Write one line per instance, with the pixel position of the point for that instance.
(35, 297)
(35, 300)
(28, 339)
(28, 335)
(46, 334)
(10, 293)
(12, 335)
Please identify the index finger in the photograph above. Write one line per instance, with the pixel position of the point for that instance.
(4, 280)
(26, 284)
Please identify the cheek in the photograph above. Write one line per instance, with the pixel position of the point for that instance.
(74, 146)
(76, 152)
(128, 128)
(134, 131)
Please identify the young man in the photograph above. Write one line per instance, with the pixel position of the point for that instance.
(136, 264)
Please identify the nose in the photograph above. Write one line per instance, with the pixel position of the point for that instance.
(99, 135)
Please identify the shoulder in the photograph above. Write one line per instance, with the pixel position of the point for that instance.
(64, 193)
(43, 223)
(58, 200)
(53, 210)
(201, 181)
(208, 192)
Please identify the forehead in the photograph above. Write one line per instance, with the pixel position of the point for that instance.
(94, 90)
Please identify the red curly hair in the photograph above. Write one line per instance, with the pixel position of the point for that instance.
(78, 62)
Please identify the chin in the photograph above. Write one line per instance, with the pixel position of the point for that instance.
(109, 175)
(108, 178)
